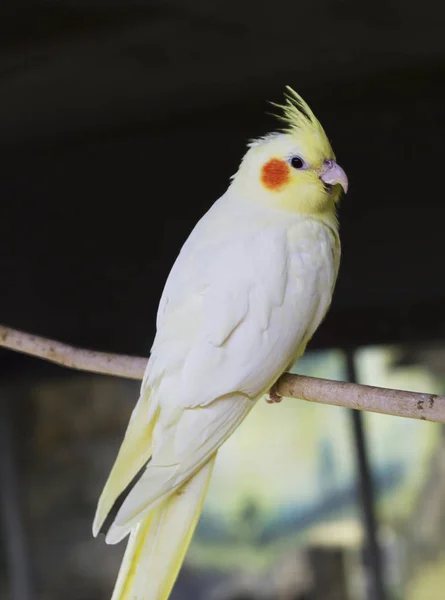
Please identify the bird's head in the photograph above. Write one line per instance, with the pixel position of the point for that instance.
(294, 170)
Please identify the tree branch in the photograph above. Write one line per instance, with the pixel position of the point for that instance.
(121, 365)
(429, 407)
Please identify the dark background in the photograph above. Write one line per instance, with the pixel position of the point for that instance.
(121, 122)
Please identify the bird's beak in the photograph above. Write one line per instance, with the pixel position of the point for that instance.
(332, 173)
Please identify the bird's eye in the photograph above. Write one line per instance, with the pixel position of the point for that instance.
(297, 162)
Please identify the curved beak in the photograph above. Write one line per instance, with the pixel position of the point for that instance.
(332, 174)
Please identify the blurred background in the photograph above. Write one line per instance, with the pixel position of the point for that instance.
(120, 124)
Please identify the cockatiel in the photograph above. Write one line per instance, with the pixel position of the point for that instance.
(248, 290)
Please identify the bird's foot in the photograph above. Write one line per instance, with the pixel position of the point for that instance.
(273, 397)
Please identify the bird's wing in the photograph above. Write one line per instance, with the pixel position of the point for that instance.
(234, 312)
(226, 279)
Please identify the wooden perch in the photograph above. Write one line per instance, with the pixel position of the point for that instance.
(121, 365)
(428, 407)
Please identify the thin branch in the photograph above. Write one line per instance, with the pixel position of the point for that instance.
(428, 407)
(121, 365)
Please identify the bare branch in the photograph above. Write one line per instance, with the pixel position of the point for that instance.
(121, 365)
(429, 407)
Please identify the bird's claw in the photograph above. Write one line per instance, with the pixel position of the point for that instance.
(273, 397)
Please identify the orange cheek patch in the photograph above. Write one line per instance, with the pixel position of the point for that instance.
(275, 174)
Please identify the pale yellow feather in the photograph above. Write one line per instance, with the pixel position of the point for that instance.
(158, 544)
(134, 452)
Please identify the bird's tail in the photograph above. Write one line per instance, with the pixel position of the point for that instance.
(158, 543)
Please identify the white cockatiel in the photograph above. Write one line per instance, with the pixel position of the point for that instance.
(246, 293)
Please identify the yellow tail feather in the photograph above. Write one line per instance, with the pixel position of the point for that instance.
(157, 545)
(133, 454)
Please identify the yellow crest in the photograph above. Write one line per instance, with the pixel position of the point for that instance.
(300, 121)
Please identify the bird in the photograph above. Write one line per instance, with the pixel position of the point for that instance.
(248, 289)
